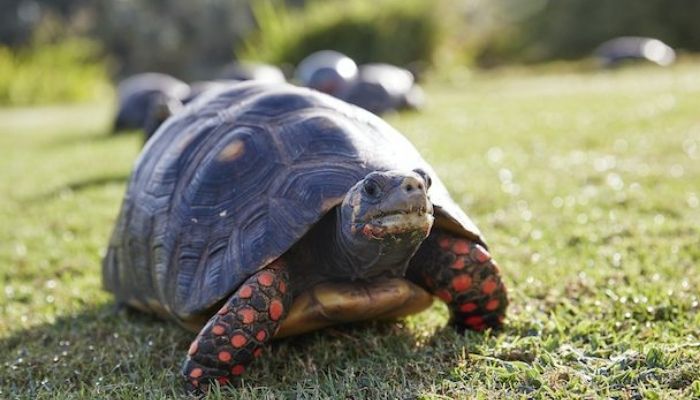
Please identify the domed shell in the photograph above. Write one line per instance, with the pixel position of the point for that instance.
(232, 182)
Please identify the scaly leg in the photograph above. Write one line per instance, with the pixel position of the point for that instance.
(237, 333)
(461, 273)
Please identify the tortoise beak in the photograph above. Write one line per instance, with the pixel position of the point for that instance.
(409, 197)
(405, 209)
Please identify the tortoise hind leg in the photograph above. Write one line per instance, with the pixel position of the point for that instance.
(235, 336)
(462, 274)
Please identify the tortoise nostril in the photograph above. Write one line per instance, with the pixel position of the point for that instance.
(408, 188)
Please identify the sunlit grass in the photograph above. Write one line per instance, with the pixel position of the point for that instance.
(586, 186)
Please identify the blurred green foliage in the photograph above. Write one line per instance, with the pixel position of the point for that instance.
(67, 71)
(185, 38)
(503, 31)
(394, 31)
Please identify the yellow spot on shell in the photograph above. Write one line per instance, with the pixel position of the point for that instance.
(232, 151)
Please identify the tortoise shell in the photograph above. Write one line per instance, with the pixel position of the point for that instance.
(234, 181)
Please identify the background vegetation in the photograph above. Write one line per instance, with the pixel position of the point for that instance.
(507, 31)
(193, 40)
(67, 71)
(395, 31)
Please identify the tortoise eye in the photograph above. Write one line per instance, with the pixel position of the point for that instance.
(371, 188)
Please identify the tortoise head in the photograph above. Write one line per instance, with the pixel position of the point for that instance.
(383, 220)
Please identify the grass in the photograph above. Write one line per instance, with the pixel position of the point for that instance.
(584, 183)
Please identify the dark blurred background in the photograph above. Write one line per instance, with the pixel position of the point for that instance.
(61, 50)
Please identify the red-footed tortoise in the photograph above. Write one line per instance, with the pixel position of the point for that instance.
(263, 211)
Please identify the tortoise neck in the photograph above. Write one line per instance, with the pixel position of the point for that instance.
(358, 256)
(352, 255)
(332, 252)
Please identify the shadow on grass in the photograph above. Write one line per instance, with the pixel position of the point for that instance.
(79, 186)
(105, 351)
(74, 138)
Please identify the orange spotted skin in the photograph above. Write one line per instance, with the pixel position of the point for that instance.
(236, 335)
(462, 274)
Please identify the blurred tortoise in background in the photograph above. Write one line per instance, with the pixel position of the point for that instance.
(327, 71)
(617, 51)
(264, 211)
(163, 107)
(252, 71)
(376, 87)
(137, 95)
(380, 88)
(146, 100)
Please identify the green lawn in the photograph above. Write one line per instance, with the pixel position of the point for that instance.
(585, 184)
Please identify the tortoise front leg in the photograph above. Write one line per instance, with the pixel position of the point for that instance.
(237, 333)
(461, 273)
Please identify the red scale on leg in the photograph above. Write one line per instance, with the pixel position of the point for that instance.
(468, 307)
(218, 330)
(266, 279)
(474, 321)
(238, 341)
(458, 264)
(488, 286)
(492, 305)
(237, 369)
(444, 242)
(461, 283)
(196, 373)
(247, 315)
(461, 247)
(444, 295)
(245, 292)
(276, 310)
(223, 380)
(224, 356)
(261, 335)
(480, 254)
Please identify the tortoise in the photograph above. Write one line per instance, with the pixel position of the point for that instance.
(617, 51)
(328, 71)
(163, 107)
(138, 94)
(263, 211)
(380, 88)
(247, 70)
